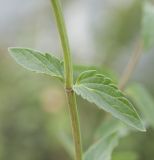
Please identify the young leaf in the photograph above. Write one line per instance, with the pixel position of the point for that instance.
(99, 89)
(143, 100)
(78, 69)
(148, 25)
(102, 149)
(39, 62)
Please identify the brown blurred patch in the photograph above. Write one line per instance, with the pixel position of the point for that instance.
(53, 99)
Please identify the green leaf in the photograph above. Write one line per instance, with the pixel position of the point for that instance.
(110, 126)
(102, 149)
(148, 25)
(143, 100)
(109, 133)
(39, 62)
(98, 89)
(78, 69)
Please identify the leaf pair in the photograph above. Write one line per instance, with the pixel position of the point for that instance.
(95, 88)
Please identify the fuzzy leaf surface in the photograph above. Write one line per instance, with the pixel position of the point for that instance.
(38, 62)
(98, 89)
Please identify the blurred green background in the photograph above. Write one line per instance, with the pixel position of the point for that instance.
(34, 117)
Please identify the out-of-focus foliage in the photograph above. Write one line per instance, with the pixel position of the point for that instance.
(119, 29)
(110, 126)
(144, 101)
(107, 138)
(148, 25)
(125, 155)
(67, 143)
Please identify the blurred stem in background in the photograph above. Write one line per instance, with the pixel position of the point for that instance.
(68, 73)
(134, 59)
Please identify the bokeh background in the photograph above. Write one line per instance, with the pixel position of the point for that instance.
(33, 112)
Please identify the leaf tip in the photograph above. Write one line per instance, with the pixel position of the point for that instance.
(141, 127)
(12, 50)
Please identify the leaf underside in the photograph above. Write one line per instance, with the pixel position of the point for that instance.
(98, 89)
(38, 62)
(78, 69)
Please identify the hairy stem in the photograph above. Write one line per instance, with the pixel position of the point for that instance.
(131, 65)
(68, 72)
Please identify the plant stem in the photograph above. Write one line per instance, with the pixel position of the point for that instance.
(68, 72)
(131, 65)
(65, 44)
(75, 124)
